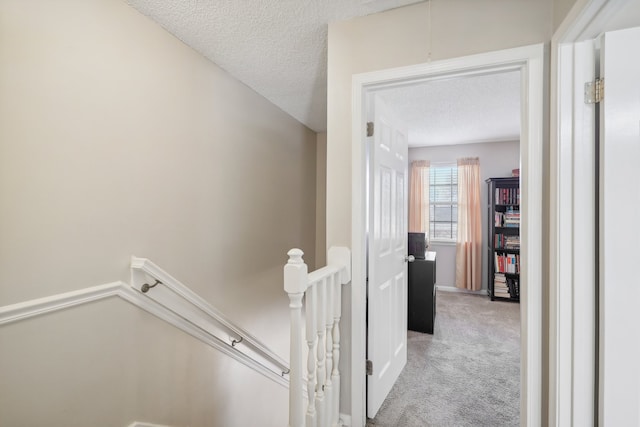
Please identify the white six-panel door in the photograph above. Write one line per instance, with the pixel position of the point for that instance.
(387, 281)
(619, 325)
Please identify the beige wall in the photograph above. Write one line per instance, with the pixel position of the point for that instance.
(321, 200)
(402, 37)
(561, 9)
(116, 139)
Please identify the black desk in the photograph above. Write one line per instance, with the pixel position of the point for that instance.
(422, 294)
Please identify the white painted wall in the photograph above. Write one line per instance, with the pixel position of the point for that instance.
(497, 159)
(401, 37)
(116, 140)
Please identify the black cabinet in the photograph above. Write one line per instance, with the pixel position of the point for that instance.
(422, 294)
(503, 248)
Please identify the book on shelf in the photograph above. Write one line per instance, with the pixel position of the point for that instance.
(507, 263)
(510, 218)
(514, 288)
(504, 293)
(507, 196)
(504, 287)
(512, 242)
(503, 241)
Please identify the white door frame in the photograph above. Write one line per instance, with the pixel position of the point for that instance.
(572, 281)
(529, 60)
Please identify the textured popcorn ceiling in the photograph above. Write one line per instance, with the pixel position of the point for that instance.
(276, 47)
(459, 111)
(279, 48)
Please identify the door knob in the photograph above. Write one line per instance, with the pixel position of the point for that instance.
(409, 258)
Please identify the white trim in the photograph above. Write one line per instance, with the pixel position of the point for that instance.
(141, 424)
(586, 20)
(572, 232)
(24, 310)
(561, 232)
(415, 144)
(530, 61)
(531, 149)
(453, 289)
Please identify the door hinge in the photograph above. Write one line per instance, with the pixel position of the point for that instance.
(369, 367)
(369, 128)
(594, 91)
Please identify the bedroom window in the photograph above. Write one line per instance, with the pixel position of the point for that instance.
(443, 202)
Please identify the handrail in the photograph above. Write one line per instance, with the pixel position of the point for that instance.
(322, 273)
(233, 340)
(172, 302)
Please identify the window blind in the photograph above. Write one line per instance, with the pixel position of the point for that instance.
(443, 202)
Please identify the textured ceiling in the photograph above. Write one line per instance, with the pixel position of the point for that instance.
(460, 110)
(276, 47)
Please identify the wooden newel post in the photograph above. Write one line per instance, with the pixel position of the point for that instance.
(295, 284)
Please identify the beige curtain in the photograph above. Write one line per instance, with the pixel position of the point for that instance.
(419, 197)
(469, 241)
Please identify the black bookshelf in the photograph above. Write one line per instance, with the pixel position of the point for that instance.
(503, 242)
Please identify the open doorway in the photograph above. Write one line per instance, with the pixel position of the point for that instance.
(529, 62)
(464, 368)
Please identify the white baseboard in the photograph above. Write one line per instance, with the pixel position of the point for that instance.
(140, 424)
(482, 292)
(345, 420)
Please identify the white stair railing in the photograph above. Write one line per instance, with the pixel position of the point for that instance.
(199, 316)
(322, 292)
(155, 291)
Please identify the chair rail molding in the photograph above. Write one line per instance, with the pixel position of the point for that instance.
(36, 307)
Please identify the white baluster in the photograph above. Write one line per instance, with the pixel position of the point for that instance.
(310, 300)
(295, 284)
(328, 391)
(335, 375)
(321, 375)
(338, 256)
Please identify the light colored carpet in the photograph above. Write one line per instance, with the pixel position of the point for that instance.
(466, 374)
